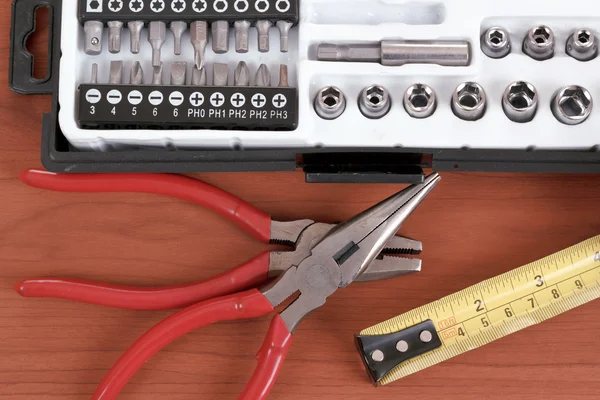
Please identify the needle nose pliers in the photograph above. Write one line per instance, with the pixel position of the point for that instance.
(326, 257)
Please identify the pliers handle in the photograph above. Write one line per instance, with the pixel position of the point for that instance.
(249, 218)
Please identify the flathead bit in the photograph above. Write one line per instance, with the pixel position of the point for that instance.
(114, 36)
(93, 37)
(135, 35)
(199, 76)
(241, 76)
(178, 73)
(263, 77)
(116, 73)
(137, 75)
(157, 75)
(94, 78)
(199, 39)
(284, 29)
(283, 76)
(178, 28)
(241, 36)
(157, 34)
(220, 35)
(263, 28)
(220, 74)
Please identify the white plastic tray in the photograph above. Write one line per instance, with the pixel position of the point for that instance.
(370, 21)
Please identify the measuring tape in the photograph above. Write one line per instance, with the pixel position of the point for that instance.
(482, 313)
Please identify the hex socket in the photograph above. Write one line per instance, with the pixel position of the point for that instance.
(469, 101)
(330, 103)
(520, 101)
(582, 45)
(572, 105)
(495, 42)
(420, 101)
(539, 43)
(374, 102)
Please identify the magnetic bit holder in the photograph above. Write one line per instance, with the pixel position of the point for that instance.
(382, 353)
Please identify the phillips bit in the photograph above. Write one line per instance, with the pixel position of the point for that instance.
(220, 35)
(263, 77)
(116, 73)
(199, 39)
(283, 76)
(220, 74)
(114, 36)
(178, 28)
(241, 36)
(263, 28)
(284, 29)
(241, 76)
(93, 37)
(157, 34)
(157, 75)
(94, 78)
(178, 73)
(137, 75)
(199, 76)
(135, 35)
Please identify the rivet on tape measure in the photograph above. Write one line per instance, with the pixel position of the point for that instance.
(482, 313)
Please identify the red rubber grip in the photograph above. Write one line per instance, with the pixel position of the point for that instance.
(245, 276)
(244, 305)
(247, 217)
(270, 360)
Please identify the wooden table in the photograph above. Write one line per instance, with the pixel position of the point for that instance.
(474, 226)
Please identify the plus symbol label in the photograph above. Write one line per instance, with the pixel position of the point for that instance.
(217, 99)
(279, 101)
(197, 99)
(157, 5)
(136, 5)
(238, 100)
(259, 100)
(115, 5)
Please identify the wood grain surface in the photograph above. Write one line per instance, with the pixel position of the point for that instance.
(473, 226)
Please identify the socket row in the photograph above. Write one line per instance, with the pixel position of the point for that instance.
(179, 73)
(540, 43)
(571, 105)
(199, 36)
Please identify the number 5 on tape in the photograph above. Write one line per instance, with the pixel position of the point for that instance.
(481, 313)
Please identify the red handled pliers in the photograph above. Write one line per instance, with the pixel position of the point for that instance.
(326, 257)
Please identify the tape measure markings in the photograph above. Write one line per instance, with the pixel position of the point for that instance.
(502, 305)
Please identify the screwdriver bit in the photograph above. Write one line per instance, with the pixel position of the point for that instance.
(93, 37)
(220, 35)
(241, 36)
(199, 39)
(135, 35)
(114, 36)
(199, 76)
(116, 73)
(137, 75)
(94, 78)
(157, 75)
(220, 74)
(157, 34)
(241, 76)
(283, 76)
(284, 29)
(263, 28)
(178, 73)
(399, 52)
(178, 28)
(263, 77)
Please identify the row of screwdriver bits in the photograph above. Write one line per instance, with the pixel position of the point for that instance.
(178, 76)
(540, 43)
(199, 36)
(571, 105)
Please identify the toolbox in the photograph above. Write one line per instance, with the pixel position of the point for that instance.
(346, 90)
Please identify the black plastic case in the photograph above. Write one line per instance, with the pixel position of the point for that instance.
(339, 165)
